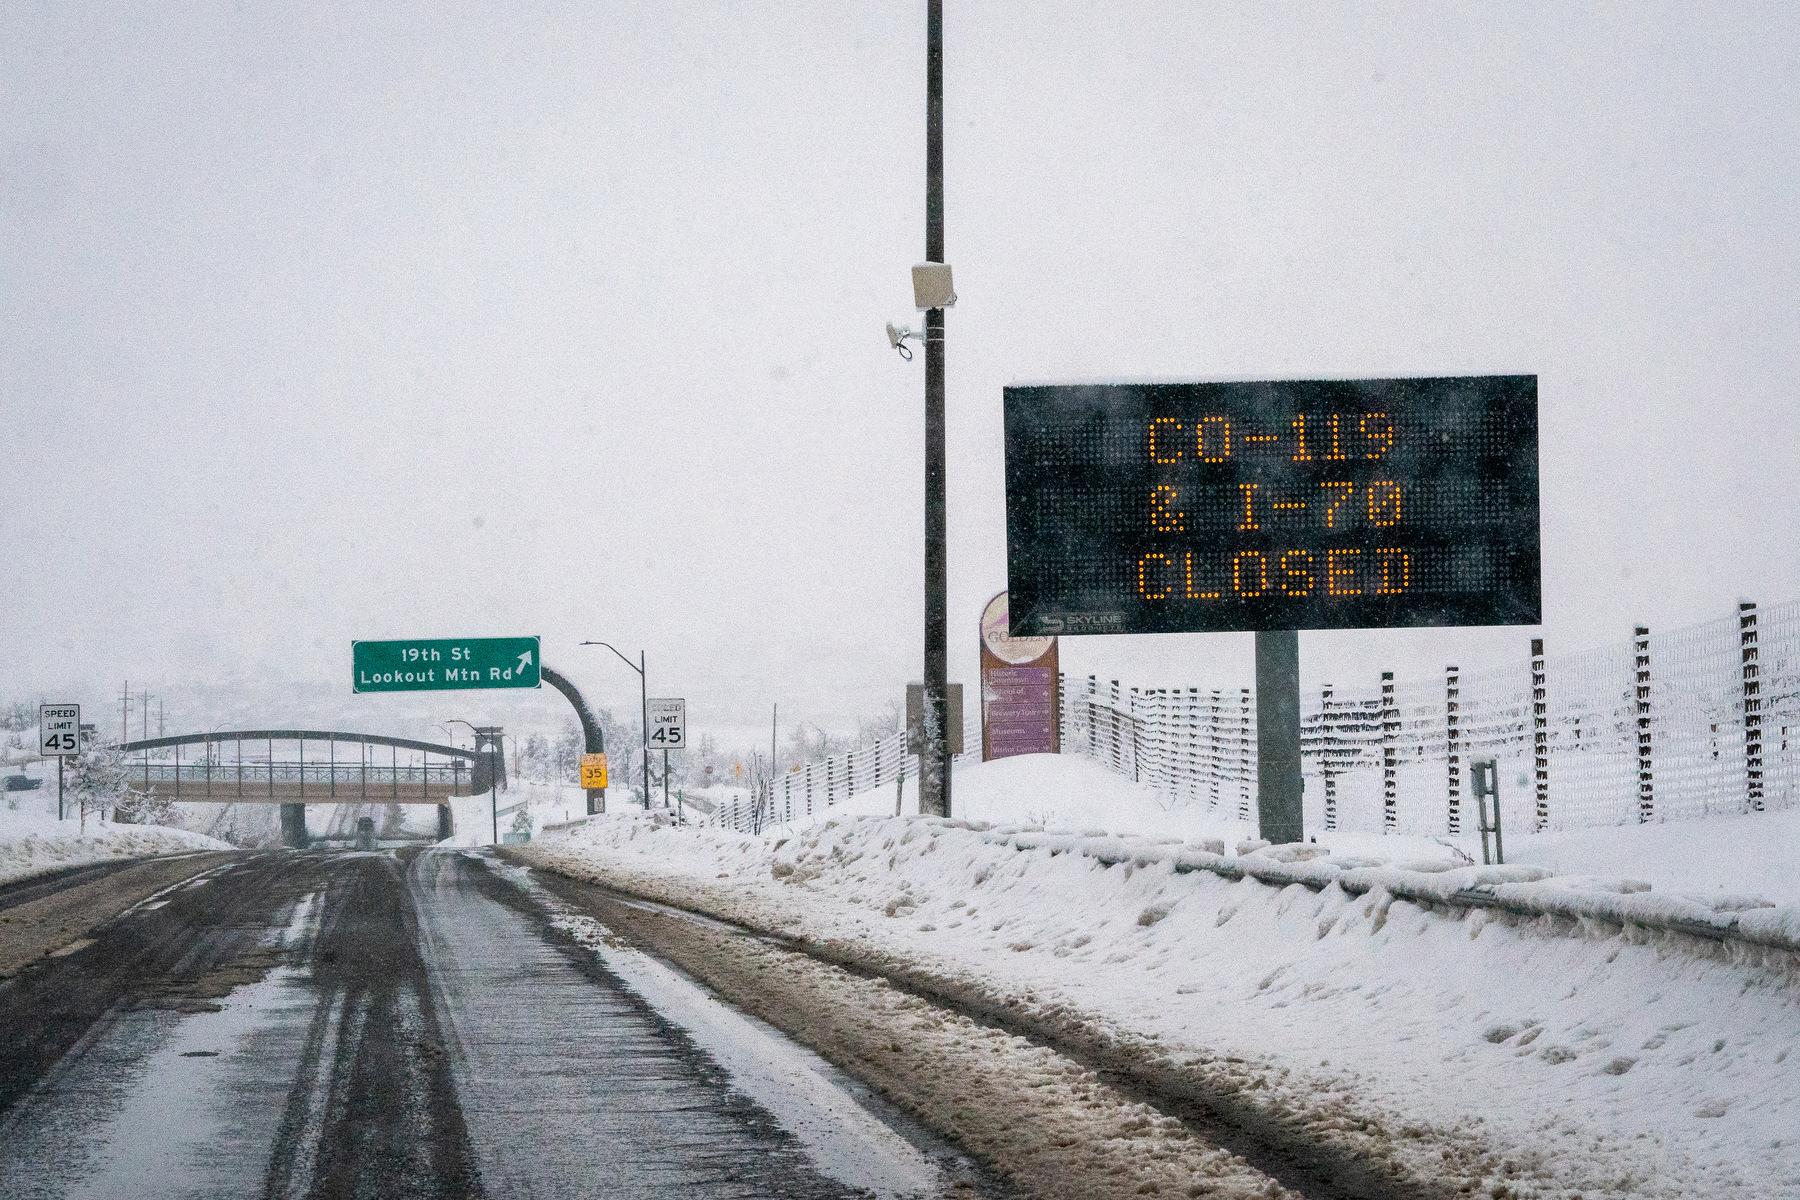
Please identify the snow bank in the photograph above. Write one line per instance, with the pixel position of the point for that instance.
(33, 845)
(1717, 860)
(1588, 1059)
(1072, 793)
(1756, 854)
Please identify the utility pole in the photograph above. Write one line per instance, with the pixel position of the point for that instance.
(934, 766)
(643, 710)
(644, 724)
(144, 728)
(769, 791)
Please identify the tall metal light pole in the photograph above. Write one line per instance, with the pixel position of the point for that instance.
(643, 710)
(934, 766)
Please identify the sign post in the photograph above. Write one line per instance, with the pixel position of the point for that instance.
(1273, 507)
(445, 664)
(59, 736)
(1279, 787)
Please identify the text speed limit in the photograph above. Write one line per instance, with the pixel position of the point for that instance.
(666, 724)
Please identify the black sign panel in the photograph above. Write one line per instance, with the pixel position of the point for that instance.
(1354, 504)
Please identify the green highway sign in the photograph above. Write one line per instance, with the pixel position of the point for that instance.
(445, 664)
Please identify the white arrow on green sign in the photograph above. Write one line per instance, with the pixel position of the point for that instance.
(445, 664)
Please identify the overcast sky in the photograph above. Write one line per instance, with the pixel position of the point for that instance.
(322, 322)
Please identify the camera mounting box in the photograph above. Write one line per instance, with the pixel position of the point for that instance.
(932, 287)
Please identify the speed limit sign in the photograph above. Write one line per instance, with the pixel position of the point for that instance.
(59, 730)
(667, 727)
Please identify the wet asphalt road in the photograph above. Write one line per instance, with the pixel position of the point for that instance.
(336, 1024)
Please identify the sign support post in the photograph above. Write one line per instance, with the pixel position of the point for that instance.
(1278, 780)
(59, 788)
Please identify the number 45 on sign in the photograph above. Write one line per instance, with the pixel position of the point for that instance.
(666, 724)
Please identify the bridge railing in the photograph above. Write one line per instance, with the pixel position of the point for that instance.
(308, 773)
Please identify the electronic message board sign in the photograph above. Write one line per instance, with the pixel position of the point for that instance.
(1302, 504)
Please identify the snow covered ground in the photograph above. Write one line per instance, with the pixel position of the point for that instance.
(1547, 1058)
(33, 844)
(1757, 855)
(1733, 855)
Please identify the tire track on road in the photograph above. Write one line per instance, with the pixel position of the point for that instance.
(1266, 1142)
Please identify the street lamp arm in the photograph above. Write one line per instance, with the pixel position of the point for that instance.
(615, 650)
(643, 708)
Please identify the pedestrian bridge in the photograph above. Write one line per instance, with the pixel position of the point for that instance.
(307, 766)
(298, 767)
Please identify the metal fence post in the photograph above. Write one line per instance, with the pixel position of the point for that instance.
(1640, 649)
(1390, 783)
(1215, 764)
(1062, 711)
(1245, 754)
(1093, 731)
(1137, 721)
(1453, 746)
(1540, 741)
(1116, 749)
(1327, 743)
(1191, 746)
(1752, 667)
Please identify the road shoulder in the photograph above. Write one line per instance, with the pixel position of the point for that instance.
(54, 919)
(1053, 1124)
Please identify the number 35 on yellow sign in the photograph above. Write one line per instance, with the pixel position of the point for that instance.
(593, 770)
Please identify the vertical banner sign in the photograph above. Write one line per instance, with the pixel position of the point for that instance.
(1296, 504)
(1018, 689)
(59, 730)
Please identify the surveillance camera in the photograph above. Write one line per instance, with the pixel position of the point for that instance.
(897, 336)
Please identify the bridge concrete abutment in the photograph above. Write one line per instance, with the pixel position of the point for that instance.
(446, 824)
(293, 826)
